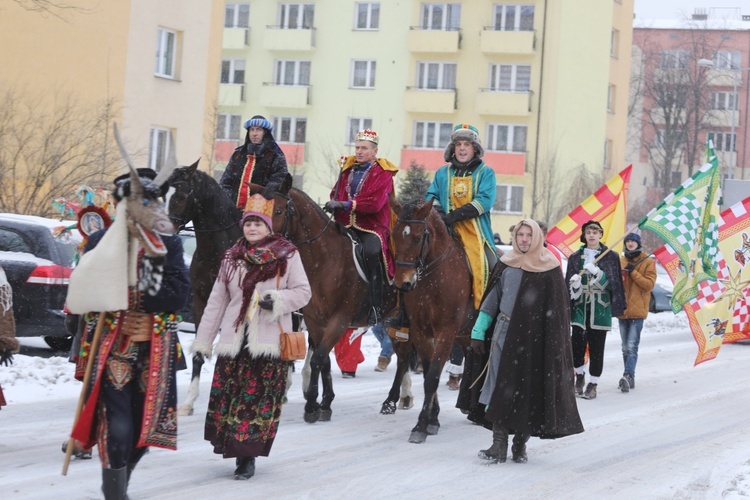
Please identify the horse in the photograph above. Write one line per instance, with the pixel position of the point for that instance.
(197, 197)
(433, 273)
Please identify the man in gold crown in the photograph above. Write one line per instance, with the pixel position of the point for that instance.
(359, 201)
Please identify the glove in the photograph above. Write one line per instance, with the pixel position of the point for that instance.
(332, 206)
(630, 267)
(198, 358)
(575, 282)
(478, 346)
(266, 303)
(593, 269)
(6, 357)
(465, 212)
(269, 191)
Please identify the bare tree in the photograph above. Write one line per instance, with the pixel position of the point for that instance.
(583, 183)
(545, 198)
(48, 151)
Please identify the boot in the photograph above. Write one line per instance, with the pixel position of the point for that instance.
(580, 382)
(115, 483)
(498, 452)
(454, 382)
(135, 456)
(383, 362)
(590, 391)
(245, 468)
(624, 384)
(398, 321)
(519, 448)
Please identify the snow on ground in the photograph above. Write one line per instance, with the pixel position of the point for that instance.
(682, 433)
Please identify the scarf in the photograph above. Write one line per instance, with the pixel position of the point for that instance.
(538, 259)
(261, 262)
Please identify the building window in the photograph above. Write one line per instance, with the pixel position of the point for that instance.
(289, 128)
(436, 75)
(158, 147)
(726, 59)
(510, 77)
(608, 145)
(611, 96)
(354, 125)
(228, 127)
(237, 15)
(166, 51)
(363, 74)
(724, 141)
(366, 16)
(292, 72)
(614, 44)
(432, 135)
(233, 71)
(674, 59)
(502, 137)
(724, 100)
(441, 16)
(296, 15)
(514, 17)
(508, 199)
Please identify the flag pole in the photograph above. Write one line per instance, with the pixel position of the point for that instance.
(610, 247)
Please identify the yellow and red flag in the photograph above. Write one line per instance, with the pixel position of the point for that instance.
(720, 313)
(608, 205)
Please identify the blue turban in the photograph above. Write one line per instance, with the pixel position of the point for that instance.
(259, 121)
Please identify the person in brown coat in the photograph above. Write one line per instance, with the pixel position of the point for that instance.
(9, 345)
(639, 277)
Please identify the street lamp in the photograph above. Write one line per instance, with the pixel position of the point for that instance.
(708, 63)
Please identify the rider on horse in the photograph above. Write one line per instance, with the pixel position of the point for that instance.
(359, 201)
(258, 161)
(464, 191)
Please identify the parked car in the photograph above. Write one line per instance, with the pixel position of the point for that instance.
(661, 295)
(38, 268)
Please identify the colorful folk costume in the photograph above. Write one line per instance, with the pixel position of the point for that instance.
(132, 402)
(530, 370)
(263, 163)
(8, 343)
(465, 193)
(258, 288)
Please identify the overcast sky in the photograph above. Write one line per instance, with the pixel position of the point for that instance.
(679, 9)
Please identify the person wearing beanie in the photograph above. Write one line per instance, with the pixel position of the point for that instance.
(464, 193)
(261, 282)
(596, 296)
(639, 277)
(258, 161)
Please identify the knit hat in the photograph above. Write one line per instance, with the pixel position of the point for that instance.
(258, 206)
(259, 121)
(591, 223)
(633, 237)
(465, 132)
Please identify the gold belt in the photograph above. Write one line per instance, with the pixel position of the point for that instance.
(137, 325)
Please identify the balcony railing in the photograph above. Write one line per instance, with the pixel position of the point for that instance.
(235, 38)
(422, 100)
(285, 96)
(494, 41)
(280, 38)
(499, 102)
(434, 41)
(231, 94)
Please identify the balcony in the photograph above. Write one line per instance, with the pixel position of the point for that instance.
(417, 100)
(231, 94)
(722, 118)
(505, 103)
(493, 41)
(235, 38)
(295, 153)
(277, 38)
(433, 41)
(284, 96)
(723, 77)
(223, 149)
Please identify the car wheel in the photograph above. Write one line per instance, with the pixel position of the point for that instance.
(652, 304)
(59, 343)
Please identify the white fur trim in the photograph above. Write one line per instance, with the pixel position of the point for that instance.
(204, 348)
(278, 304)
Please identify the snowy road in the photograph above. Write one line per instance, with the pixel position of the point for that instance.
(682, 433)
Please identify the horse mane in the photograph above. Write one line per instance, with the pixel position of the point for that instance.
(407, 211)
(318, 209)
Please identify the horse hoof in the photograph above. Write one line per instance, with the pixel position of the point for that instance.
(388, 408)
(432, 429)
(312, 416)
(325, 415)
(185, 411)
(418, 437)
(406, 403)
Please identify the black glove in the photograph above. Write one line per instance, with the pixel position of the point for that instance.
(332, 206)
(266, 303)
(198, 358)
(468, 211)
(6, 357)
(478, 346)
(269, 191)
(630, 267)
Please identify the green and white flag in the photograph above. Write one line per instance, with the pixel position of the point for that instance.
(688, 221)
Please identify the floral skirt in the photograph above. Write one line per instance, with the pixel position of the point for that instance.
(245, 404)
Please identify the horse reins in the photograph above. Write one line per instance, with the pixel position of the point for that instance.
(422, 268)
(288, 216)
(182, 222)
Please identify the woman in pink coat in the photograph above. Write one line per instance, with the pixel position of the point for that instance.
(261, 282)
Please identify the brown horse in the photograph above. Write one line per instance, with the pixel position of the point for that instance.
(432, 270)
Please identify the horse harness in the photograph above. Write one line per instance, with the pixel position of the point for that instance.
(289, 214)
(422, 268)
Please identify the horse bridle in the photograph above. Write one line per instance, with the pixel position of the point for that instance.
(289, 213)
(181, 223)
(420, 266)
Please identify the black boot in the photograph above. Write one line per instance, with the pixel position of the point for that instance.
(498, 452)
(115, 483)
(519, 448)
(135, 456)
(245, 468)
(399, 321)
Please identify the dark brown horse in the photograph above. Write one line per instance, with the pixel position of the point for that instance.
(432, 270)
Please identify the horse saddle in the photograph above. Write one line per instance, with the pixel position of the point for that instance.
(370, 270)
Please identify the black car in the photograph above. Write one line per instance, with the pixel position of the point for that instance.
(38, 268)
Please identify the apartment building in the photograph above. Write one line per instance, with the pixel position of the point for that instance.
(544, 82)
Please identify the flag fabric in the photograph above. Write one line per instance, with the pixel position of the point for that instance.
(608, 206)
(720, 312)
(688, 221)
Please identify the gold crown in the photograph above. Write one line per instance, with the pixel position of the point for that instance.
(367, 135)
(259, 205)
